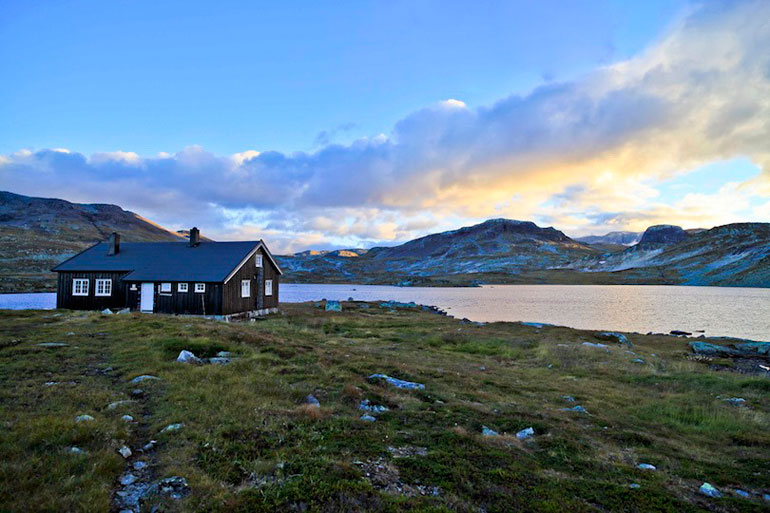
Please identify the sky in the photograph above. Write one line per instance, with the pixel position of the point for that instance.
(351, 124)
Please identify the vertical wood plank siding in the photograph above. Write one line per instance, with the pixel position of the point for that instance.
(232, 300)
(65, 298)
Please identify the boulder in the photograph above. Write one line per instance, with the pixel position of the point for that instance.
(124, 311)
(612, 336)
(333, 306)
(312, 401)
(708, 349)
(488, 432)
(525, 433)
(709, 491)
(107, 311)
(186, 356)
(398, 383)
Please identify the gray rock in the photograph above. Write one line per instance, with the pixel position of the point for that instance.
(485, 431)
(612, 336)
(709, 491)
(366, 405)
(107, 311)
(525, 433)
(150, 445)
(139, 465)
(576, 409)
(367, 418)
(736, 401)
(124, 311)
(143, 377)
(172, 427)
(311, 400)
(137, 392)
(742, 493)
(597, 346)
(398, 383)
(174, 487)
(76, 450)
(52, 344)
(84, 418)
(186, 356)
(219, 360)
(127, 418)
(224, 354)
(127, 479)
(637, 360)
(646, 466)
(118, 404)
(634, 486)
(333, 306)
(125, 452)
(708, 349)
(568, 398)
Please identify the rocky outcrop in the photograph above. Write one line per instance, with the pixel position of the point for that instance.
(663, 234)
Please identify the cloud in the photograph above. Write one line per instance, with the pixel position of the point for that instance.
(584, 155)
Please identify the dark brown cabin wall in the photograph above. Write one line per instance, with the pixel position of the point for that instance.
(175, 302)
(65, 298)
(270, 273)
(231, 293)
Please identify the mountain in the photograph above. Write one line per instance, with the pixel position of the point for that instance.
(488, 251)
(730, 255)
(616, 238)
(38, 233)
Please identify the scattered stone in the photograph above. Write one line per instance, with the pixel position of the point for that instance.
(137, 392)
(568, 398)
(52, 344)
(614, 337)
(742, 493)
(634, 486)
(139, 465)
(367, 418)
(735, 401)
(488, 432)
(127, 418)
(224, 354)
(646, 466)
(525, 433)
(597, 346)
(125, 452)
(84, 418)
(680, 333)
(186, 356)
(107, 311)
(637, 360)
(219, 360)
(76, 450)
(398, 383)
(174, 487)
(576, 408)
(143, 377)
(127, 479)
(312, 401)
(366, 405)
(117, 404)
(149, 445)
(333, 306)
(397, 304)
(709, 491)
(766, 497)
(172, 427)
(408, 451)
(70, 333)
(124, 311)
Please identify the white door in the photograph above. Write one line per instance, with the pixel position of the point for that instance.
(147, 302)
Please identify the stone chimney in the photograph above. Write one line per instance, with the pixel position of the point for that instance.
(113, 246)
(195, 237)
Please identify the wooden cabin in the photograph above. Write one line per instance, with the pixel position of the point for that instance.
(196, 277)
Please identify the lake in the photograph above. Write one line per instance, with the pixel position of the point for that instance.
(725, 311)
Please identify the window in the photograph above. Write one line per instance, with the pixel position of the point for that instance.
(165, 287)
(200, 287)
(182, 287)
(245, 288)
(258, 260)
(80, 287)
(103, 287)
(268, 287)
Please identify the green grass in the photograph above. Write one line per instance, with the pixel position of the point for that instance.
(248, 443)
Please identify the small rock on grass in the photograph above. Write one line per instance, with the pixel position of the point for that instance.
(84, 418)
(117, 404)
(76, 450)
(139, 465)
(488, 432)
(52, 344)
(576, 409)
(127, 418)
(107, 311)
(150, 445)
(367, 418)
(736, 401)
(143, 377)
(709, 491)
(646, 466)
(398, 383)
(125, 452)
(186, 356)
(127, 479)
(742, 493)
(172, 427)
(311, 400)
(637, 360)
(525, 433)
(568, 398)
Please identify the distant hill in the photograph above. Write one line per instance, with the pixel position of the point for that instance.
(618, 238)
(38, 233)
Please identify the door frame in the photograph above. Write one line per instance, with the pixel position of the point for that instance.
(142, 288)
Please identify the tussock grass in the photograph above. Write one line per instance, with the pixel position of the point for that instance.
(250, 444)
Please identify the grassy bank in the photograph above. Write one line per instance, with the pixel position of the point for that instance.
(248, 443)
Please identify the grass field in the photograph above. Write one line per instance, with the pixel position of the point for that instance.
(248, 443)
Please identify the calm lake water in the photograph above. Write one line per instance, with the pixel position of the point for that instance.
(736, 312)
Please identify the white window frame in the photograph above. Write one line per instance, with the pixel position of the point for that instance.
(245, 288)
(200, 288)
(258, 260)
(165, 287)
(268, 287)
(80, 286)
(103, 287)
(183, 287)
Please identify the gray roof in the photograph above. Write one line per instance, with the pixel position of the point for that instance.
(169, 261)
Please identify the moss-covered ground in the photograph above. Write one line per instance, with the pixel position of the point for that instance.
(249, 444)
